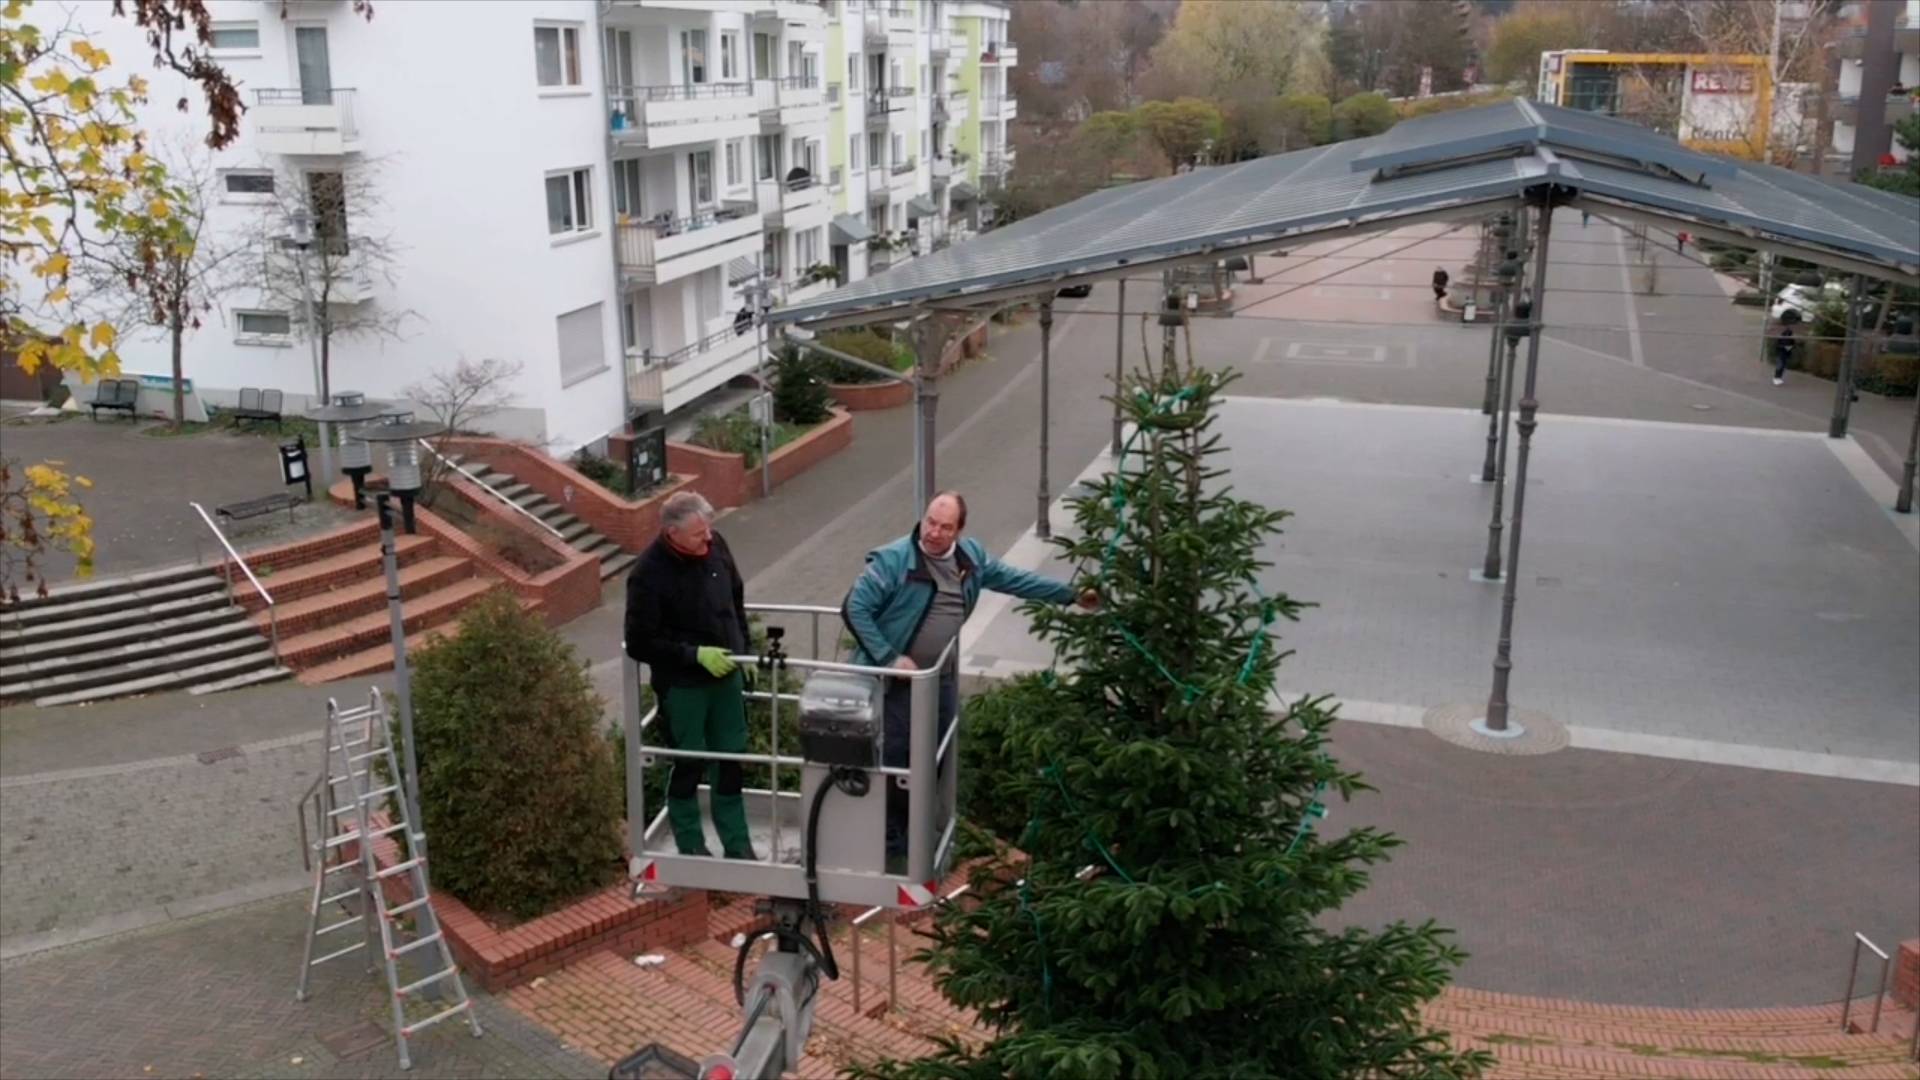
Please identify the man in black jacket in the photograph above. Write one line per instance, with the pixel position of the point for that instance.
(686, 620)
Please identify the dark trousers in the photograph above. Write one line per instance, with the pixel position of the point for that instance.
(899, 727)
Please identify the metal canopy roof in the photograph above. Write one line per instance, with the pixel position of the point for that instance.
(1447, 165)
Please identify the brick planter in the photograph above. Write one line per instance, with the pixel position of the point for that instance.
(608, 919)
(1906, 975)
(561, 594)
(861, 397)
(631, 523)
(725, 478)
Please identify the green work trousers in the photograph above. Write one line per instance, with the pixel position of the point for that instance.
(710, 717)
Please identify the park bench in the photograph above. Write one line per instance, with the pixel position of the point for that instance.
(266, 504)
(116, 394)
(257, 405)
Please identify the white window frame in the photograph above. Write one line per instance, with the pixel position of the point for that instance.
(766, 164)
(629, 186)
(567, 40)
(853, 151)
(694, 160)
(233, 52)
(689, 74)
(242, 336)
(853, 72)
(580, 203)
(246, 198)
(734, 174)
(568, 379)
(729, 56)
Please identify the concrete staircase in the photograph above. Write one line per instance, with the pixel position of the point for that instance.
(577, 533)
(134, 634)
(332, 609)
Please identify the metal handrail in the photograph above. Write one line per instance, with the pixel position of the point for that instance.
(1853, 970)
(521, 510)
(273, 614)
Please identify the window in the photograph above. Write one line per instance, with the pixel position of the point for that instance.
(899, 148)
(734, 176)
(926, 84)
(806, 249)
(263, 327)
(569, 202)
(693, 56)
(853, 71)
(583, 351)
(235, 37)
(247, 182)
(327, 199)
(729, 56)
(770, 248)
(876, 151)
(628, 202)
(767, 149)
(700, 175)
(853, 152)
(556, 55)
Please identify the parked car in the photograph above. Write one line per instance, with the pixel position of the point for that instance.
(1078, 292)
(1804, 299)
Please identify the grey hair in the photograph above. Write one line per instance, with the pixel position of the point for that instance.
(682, 507)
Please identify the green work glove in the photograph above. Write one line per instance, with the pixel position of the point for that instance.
(715, 660)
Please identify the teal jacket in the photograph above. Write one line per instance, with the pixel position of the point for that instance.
(888, 602)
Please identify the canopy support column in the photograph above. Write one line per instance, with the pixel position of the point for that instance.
(1843, 383)
(1042, 525)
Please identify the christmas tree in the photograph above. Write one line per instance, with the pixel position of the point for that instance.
(1165, 913)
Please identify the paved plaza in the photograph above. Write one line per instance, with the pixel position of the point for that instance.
(1700, 583)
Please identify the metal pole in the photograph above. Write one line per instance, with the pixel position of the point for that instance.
(1171, 303)
(760, 301)
(1503, 658)
(1119, 363)
(1903, 503)
(1843, 384)
(1490, 568)
(1042, 525)
(1491, 406)
(319, 377)
(402, 679)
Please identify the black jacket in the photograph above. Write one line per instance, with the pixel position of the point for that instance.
(676, 604)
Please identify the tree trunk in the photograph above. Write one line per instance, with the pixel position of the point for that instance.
(177, 329)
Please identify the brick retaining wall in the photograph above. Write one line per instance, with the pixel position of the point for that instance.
(726, 480)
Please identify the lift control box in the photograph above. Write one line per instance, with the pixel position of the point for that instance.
(841, 715)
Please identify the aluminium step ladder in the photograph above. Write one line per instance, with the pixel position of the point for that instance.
(361, 772)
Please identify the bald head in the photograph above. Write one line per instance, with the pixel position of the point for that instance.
(940, 525)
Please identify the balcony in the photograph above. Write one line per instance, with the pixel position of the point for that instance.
(1852, 44)
(795, 99)
(939, 44)
(302, 121)
(677, 377)
(902, 174)
(1846, 110)
(1009, 108)
(959, 105)
(811, 13)
(877, 182)
(655, 117)
(338, 278)
(798, 293)
(900, 107)
(878, 106)
(785, 203)
(942, 170)
(938, 109)
(901, 31)
(660, 250)
(875, 29)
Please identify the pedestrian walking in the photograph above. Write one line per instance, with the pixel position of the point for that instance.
(1440, 280)
(1782, 352)
(1585, 216)
(1680, 241)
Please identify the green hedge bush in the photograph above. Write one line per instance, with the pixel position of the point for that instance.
(868, 345)
(518, 789)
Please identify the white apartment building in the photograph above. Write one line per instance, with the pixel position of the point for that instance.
(592, 188)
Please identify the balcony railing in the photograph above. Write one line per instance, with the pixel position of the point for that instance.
(900, 91)
(305, 120)
(797, 82)
(879, 102)
(990, 56)
(940, 109)
(686, 352)
(960, 157)
(901, 168)
(637, 243)
(681, 91)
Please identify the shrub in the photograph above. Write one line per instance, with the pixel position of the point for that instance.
(602, 471)
(1892, 374)
(1362, 115)
(868, 345)
(986, 763)
(517, 787)
(729, 432)
(800, 394)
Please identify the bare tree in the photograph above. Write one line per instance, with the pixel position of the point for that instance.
(460, 397)
(350, 257)
(1792, 35)
(169, 279)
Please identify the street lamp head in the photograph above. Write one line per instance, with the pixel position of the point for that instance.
(300, 227)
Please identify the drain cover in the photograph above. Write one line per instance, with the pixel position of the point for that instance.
(208, 757)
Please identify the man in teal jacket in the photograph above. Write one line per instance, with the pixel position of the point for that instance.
(909, 606)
